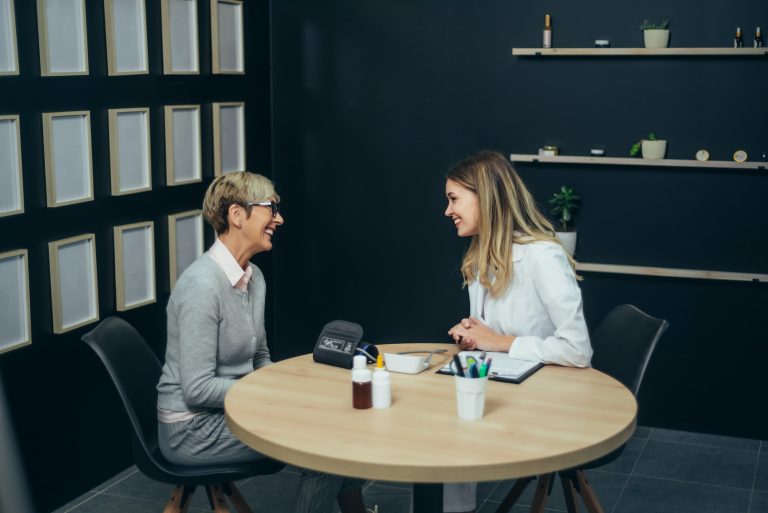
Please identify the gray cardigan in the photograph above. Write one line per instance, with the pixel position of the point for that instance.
(215, 336)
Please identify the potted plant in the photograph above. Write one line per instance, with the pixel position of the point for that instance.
(650, 147)
(655, 35)
(564, 205)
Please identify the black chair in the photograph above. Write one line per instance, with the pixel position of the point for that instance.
(135, 371)
(623, 344)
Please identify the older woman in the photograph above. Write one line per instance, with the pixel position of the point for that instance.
(216, 335)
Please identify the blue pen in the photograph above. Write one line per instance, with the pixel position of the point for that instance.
(473, 371)
(457, 363)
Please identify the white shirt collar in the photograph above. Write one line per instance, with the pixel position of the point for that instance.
(235, 274)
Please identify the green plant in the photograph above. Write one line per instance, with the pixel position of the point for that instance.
(649, 25)
(565, 204)
(635, 149)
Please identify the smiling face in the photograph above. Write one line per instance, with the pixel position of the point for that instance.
(463, 208)
(259, 228)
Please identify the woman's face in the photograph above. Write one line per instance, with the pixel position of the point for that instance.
(260, 227)
(463, 208)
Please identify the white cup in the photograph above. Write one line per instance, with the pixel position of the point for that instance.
(470, 397)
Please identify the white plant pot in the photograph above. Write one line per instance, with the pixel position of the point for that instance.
(656, 38)
(654, 149)
(568, 239)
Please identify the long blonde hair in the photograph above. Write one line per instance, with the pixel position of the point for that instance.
(507, 215)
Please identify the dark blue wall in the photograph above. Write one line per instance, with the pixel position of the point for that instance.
(372, 102)
(70, 425)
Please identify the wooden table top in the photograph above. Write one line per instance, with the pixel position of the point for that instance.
(300, 412)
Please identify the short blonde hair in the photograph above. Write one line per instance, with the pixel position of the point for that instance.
(238, 188)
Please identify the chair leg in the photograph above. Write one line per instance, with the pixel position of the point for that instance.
(217, 498)
(180, 499)
(236, 498)
(514, 494)
(542, 493)
(588, 493)
(570, 491)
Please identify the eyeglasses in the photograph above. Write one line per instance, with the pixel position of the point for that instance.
(273, 205)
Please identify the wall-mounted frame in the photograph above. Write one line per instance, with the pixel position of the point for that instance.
(11, 186)
(74, 293)
(126, 29)
(180, 45)
(15, 324)
(134, 265)
(185, 241)
(182, 144)
(68, 164)
(9, 54)
(63, 37)
(129, 151)
(227, 49)
(228, 137)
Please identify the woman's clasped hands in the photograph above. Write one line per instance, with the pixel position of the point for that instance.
(472, 333)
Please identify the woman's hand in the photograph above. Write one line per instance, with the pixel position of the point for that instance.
(473, 334)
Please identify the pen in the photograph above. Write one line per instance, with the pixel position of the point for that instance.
(473, 371)
(457, 362)
(488, 366)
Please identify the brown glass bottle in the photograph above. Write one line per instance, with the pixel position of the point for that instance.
(362, 395)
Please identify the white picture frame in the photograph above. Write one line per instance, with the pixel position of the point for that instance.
(9, 52)
(183, 159)
(15, 322)
(227, 48)
(74, 289)
(135, 265)
(185, 241)
(180, 39)
(63, 37)
(130, 156)
(68, 159)
(228, 137)
(126, 30)
(11, 181)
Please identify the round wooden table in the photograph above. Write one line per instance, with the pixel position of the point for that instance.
(300, 412)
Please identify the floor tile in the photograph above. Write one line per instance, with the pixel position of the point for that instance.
(102, 503)
(761, 483)
(625, 463)
(72, 504)
(725, 442)
(117, 477)
(490, 507)
(641, 432)
(683, 462)
(643, 495)
(759, 503)
(139, 486)
(387, 498)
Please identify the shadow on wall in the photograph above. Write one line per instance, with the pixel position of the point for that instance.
(13, 488)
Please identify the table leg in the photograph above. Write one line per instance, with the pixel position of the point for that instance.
(427, 498)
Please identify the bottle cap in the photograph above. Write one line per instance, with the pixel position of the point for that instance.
(359, 362)
(380, 362)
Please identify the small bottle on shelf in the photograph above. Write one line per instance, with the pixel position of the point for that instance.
(738, 41)
(547, 34)
(758, 38)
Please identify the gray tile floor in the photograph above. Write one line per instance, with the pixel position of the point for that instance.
(660, 471)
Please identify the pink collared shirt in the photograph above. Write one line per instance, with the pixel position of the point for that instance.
(237, 276)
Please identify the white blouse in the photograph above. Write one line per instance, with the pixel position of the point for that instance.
(542, 307)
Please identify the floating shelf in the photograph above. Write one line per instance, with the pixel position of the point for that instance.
(639, 52)
(627, 161)
(670, 273)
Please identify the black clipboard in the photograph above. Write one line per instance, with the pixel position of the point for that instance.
(499, 377)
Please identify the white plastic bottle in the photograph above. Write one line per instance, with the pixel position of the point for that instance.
(382, 386)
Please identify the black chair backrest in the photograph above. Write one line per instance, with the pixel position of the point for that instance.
(623, 344)
(13, 488)
(135, 371)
